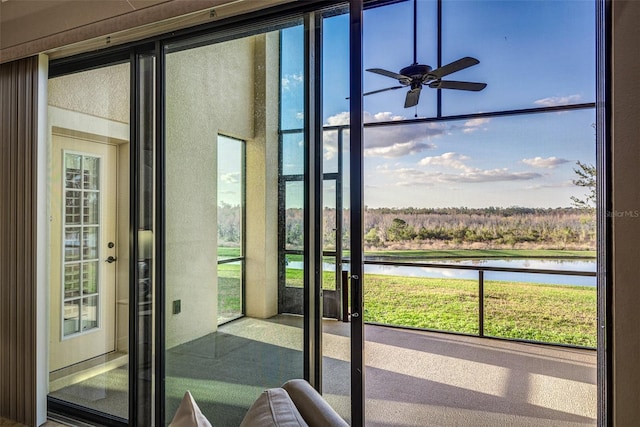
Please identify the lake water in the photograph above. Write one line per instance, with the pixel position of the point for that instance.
(432, 272)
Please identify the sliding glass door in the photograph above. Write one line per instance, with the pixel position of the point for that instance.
(88, 270)
(227, 335)
(200, 204)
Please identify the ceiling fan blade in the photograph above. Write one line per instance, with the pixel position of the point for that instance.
(413, 96)
(388, 74)
(450, 84)
(382, 90)
(458, 65)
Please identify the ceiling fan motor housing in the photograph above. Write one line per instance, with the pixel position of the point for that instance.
(416, 71)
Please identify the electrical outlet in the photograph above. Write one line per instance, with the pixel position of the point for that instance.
(176, 306)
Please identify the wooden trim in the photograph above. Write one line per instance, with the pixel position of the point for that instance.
(18, 213)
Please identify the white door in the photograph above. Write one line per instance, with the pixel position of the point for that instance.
(83, 250)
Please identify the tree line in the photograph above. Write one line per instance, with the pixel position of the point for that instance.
(455, 227)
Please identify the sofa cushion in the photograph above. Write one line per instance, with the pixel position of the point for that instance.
(274, 407)
(314, 409)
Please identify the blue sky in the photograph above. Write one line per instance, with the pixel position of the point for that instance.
(532, 54)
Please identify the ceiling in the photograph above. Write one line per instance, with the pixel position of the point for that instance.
(65, 27)
(23, 21)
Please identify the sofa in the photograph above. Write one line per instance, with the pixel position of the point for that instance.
(294, 404)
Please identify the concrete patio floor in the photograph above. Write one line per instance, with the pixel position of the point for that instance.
(412, 378)
(416, 378)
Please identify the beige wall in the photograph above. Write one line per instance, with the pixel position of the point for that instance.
(228, 88)
(262, 184)
(626, 198)
(103, 92)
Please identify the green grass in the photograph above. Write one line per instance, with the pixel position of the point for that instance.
(540, 312)
(229, 291)
(547, 313)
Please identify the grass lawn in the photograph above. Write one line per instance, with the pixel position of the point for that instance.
(548, 313)
(540, 312)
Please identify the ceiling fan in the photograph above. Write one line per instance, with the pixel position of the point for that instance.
(416, 75)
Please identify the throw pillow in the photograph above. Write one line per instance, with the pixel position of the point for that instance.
(188, 414)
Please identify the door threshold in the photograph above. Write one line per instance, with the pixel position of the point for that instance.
(82, 371)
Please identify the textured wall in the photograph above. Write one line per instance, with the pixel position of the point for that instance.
(262, 184)
(209, 91)
(103, 92)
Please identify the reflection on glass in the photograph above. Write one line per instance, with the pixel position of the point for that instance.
(72, 280)
(90, 243)
(91, 173)
(90, 208)
(72, 207)
(73, 178)
(89, 313)
(72, 244)
(71, 320)
(90, 278)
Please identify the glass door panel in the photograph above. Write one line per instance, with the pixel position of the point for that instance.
(336, 337)
(226, 337)
(89, 272)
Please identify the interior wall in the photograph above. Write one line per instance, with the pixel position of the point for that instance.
(261, 279)
(205, 97)
(626, 212)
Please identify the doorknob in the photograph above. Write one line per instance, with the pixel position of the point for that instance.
(111, 259)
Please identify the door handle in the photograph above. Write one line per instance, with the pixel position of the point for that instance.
(111, 259)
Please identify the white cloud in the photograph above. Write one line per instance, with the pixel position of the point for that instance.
(474, 125)
(563, 184)
(387, 141)
(558, 100)
(291, 80)
(494, 175)
(230, 178)
(548, 163)
(300, 115)
(451, 160)
(417, 177)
